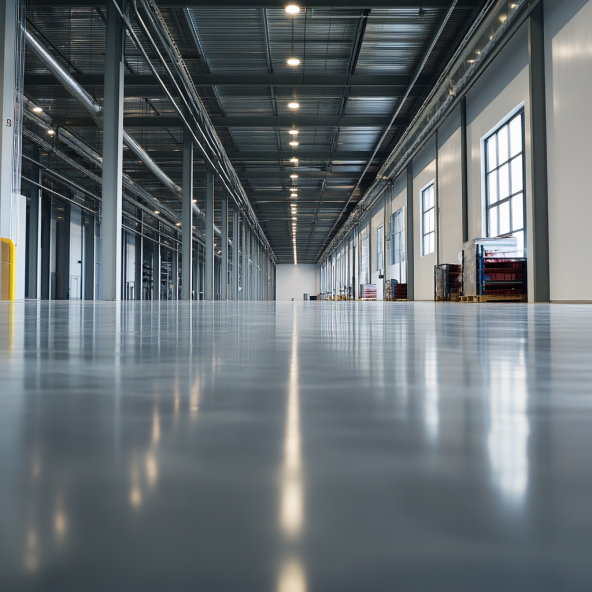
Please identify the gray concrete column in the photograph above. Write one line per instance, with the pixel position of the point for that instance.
(187, 217)
(235, 244)
(409, 234)
(34, 237)
(224, 255)
(209, 279)
(539, 256)
(112, 157)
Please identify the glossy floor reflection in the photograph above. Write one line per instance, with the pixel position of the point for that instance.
(307, 447)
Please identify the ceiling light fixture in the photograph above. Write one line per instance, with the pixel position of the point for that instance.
(293, 176)
(178, 223)
(293, 159)
(293, 62)
(50, 132)
(294, 143)
(293, 105)
(292, 9)
(156, 211)
(293, 195)
(37, 109)
(293, 132)
(195, 201)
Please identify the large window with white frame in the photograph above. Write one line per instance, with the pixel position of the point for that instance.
(428, 220)
(379, 249)
(398, 237)
(504, 181)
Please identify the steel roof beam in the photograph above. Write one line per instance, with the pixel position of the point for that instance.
(146, 81)
(349, 4)
(345, 155)
(287, 121)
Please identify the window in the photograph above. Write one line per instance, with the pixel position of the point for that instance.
(504, 181)
(365, 264)
(398, 238)
(379, 251)
(428, 228)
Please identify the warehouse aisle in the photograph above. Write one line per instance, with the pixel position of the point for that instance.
(295, 447)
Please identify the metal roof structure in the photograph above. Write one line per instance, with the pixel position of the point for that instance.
(357, 61)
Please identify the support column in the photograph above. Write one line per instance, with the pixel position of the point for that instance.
(209, 279)
(409, 234)
(538, 129)
(463, 170)
(33, 280)
(235, 244)
(249, 264)
(9, 204)
(224, 256)
(187, 218)
(243, 257)
(112, 157)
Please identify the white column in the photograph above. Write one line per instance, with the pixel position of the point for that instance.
(12, 206)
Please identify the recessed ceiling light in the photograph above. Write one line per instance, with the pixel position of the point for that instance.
(293, 143)
(37, 109)
(293, 176)
(293, 132)
(292, 9)
(293, 62)
(293, 105)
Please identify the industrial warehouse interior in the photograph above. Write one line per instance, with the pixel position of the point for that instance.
(295, 296)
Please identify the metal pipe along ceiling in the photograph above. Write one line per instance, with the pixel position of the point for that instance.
(95, 111)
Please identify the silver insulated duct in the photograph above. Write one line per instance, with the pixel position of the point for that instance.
(95, 110)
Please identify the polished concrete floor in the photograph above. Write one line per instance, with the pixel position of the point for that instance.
(295, 447)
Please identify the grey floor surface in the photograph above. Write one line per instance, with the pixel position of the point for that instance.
(295, 447)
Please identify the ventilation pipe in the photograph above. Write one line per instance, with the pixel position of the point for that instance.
(95, 111)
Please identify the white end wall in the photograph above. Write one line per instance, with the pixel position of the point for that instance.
(293, 281)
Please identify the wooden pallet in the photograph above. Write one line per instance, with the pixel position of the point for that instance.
(496, 298)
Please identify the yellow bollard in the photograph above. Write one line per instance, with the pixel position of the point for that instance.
(8, 262)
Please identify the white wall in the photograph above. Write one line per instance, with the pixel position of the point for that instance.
(424, 171)
(568, 38)
(293, 281)
(500, 89)
(449, 239)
